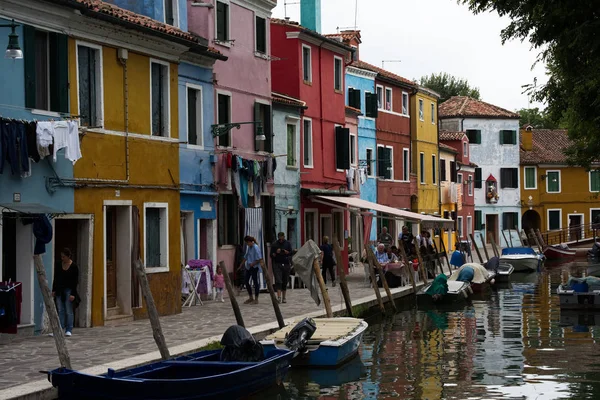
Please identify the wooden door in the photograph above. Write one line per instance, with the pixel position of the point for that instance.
(491, 228)
(111, 257)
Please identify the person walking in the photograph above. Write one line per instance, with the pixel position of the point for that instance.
(281, 251)
(327, 261)
(64, 290)
(251, 261)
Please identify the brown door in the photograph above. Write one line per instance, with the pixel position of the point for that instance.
(111, 257)
(491, 228)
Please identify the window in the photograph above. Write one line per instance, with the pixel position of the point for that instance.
(228, 215)
(509, 178)
(342, 148)
(45, 57)
(554, 220)
(474, 136)
(388, 99)
(459, 178)
(370, 162)
(530, 178)
(404, 103)
(510, 220)
(405, 165)
(422, 164)
(261, 35)
(443, 177)
(194, 115)
(421, 112)
(353, 150)
(89, 79)
(508, 137)
(453, 172)
(354, 97)
(385, 159)
(470, 185)
(222, 22)
(291, 145)
(371, 105)
(224, 116)
(171, 12)
(380, 97)
(263, 114)
(595, 217)
(159, 98)
(478, 179)
(307, 142)
(338, 72)
(469, 226)
(465, 149)
(156, 244)
(310, 226)
(595, 181)
(478, 220)
(306, 64)
(433, 169)
(553, 181)
(459, 227)
(433, 113)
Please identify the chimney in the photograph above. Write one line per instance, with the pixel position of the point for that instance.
(310, 14)
(527, 138)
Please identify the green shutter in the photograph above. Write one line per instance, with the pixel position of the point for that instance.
(553, 182)
(478, 183)
(478, 137)
(514, 137)
(388, 163)
(529, 178)
(59, 72)
(501, 137)
(380, 162)
(29, 63)
(257, 119)
(554, 220)
(478, 220)
(595, 181)
(371, 105)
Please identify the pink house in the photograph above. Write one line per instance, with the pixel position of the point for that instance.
(242, 95)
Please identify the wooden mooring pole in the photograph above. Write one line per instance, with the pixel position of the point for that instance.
(341, 265)
(487, 256)
(476, 248)
(409, 268)
(269, 280)
(384, 283)
(234, 304)
(444, 250)
(317, 272)
(532, 233)
(374, 282)
(421, 265)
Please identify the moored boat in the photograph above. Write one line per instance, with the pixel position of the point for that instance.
(441, 291)
(559, 252)
(570, 299)
(335, 341)
(522, 259)
(480, 278)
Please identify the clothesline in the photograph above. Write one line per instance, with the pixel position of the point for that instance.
(11, 287)
(60, 113)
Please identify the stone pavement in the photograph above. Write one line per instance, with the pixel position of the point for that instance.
(23, 358)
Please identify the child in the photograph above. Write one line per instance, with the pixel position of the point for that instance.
(219, 283)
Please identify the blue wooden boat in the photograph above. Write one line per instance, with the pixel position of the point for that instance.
(335, 341)
(197, 376)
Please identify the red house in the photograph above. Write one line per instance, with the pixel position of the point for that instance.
(465, 175)
(311, 67)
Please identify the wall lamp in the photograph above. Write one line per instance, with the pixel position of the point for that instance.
(223, 129)
(13, 50)
(289, 211)
(543, 177)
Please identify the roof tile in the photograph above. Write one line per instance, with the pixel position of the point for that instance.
(287, 100)
(451, 136)
(463, 106)
(548, 147)
(382, 72)
(445, 147)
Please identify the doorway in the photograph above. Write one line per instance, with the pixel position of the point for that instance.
(576, 231)
(326, 228)
(531, 220)
(491, 228)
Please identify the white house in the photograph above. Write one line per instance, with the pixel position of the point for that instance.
(494, 146)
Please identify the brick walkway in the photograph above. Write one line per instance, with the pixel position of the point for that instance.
(23, 358)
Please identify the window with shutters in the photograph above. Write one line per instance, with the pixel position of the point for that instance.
(595, 218)
(433, 113)
(434, 169)
(553, 181)
(459, 227)
(509, 178)
(342, 148)
(45, 57)
(338, 74)
(478, 220)
(156, 241)
(405, 103)
(353, 160)
(261, 35)
(159, 98)
(228, 214)
(89, 81)
(478, 178)
(530, 178)
(595, 181)
(510, 220)
(388, 99)
(421, 111)
(405, 165)
(422, 167)
(311, 225)
(508, 137)
(307, 143)
(474, 136)
(443, 177)
(380, 104)
(222, 22)
(194, 115)
(354, 97)
(370, 166)
(224, 117)
(291, 145)
(371, 105)
(306, 64)
(470, 185)
(385, 162)
(263, 114)
(554, 219)
(171, 12)
(453, 172)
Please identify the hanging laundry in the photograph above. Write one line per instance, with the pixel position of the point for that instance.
(350, 178)
(32, 150)
(229, 178)
(229, 160)
(45, 137)
(244, 190)
(222, 170)
(14, 146)
(270, 167)
(356, 179)
(61, 137)
(256, 169)
(250, 188)
(73, 151)
(363, 176)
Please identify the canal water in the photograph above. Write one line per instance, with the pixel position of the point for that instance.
(513, 343)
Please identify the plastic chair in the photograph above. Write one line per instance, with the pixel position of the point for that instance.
(293, 282)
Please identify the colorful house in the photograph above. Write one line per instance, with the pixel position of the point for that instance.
(311, 68)
(556, 196)
(424, 143)
(493, 133)
(464, 176)
(448, 193)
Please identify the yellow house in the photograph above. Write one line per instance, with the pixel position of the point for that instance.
(448, 191)
(556, 198)
(424, 140)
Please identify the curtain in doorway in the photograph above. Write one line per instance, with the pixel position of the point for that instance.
(253, 226)
(367, 223)
(135, 256)
(182, 241)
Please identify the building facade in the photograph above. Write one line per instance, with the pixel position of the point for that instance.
(556, 196)
(493, 145)
(449, 194)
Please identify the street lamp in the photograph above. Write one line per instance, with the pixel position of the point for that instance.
(13, 50)
(223, 129)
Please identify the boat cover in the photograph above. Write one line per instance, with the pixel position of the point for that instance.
(480, 274)
(518, 250)
(457, 259)
(240, 346)
(438, 286)
(303, 266)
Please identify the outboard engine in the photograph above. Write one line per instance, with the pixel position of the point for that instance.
(298, 337)
(595, 251)
(240, 346)
(493, 264)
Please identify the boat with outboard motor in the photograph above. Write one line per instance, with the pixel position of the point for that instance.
(522, 259)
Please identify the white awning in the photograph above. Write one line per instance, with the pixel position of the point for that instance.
(426, 221)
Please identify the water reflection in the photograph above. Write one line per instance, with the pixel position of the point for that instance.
(514, 343)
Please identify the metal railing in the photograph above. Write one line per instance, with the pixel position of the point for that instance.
(573, 234)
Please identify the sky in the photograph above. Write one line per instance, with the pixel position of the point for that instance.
(432, 36)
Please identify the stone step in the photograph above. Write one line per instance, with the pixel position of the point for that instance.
(111, 312)
(116, 320)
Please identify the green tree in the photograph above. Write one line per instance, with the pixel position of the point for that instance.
(566, 35)
(447, 86)
(536, 118)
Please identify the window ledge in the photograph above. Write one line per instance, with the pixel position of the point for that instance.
(223, 44)
(259, 54)
(291, 168)
(309, 83)
(156, 270)
(338, 91)
(227, 247)
(46, 113)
